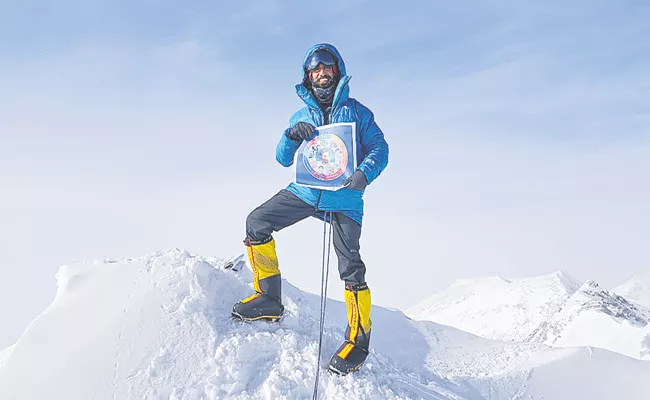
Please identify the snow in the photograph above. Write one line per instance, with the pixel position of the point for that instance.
(596, 317)
(572, 377)
(4, 354)
(645, 347)
(636, 289)
(158, 327)
(497, 308)
(549, 309)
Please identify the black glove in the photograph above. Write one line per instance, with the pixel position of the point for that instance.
(357, 181)
(301, 131)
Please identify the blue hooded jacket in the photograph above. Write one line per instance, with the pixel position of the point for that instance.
(372, 149)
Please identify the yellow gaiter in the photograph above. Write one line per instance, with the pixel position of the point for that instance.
(264, 261)
(358, 304)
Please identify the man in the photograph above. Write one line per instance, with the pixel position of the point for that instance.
(325, 91)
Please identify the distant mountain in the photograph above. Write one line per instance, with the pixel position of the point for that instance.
(636, 289)
(596, 317)
(497, 308)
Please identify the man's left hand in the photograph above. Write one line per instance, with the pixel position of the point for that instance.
(357, 181)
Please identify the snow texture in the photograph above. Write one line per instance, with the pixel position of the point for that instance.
(158, 327)
(497, 308)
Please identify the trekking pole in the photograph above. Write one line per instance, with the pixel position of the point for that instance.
(323, 294)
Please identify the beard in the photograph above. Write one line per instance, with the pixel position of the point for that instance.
(323, 82)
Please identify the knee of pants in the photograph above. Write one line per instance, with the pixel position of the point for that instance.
(256, 227)
(352, 272)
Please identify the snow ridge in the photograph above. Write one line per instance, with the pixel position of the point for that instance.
(498, 308)
(612, 304)
(586, 319)
(592, 297)
(551, 309)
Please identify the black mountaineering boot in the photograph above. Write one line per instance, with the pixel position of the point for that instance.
(259, 306)
(266, 303)
(353, 352)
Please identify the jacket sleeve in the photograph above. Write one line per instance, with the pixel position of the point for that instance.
(373, 146)
(286, 149)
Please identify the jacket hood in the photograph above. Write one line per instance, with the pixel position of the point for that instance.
(342, 90)
(331, 49)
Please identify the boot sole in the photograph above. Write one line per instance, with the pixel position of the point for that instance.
(266, 318)
(342, 373)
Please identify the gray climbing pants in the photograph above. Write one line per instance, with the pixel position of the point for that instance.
(285, 209)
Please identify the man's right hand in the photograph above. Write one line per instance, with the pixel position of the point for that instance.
(301, 131)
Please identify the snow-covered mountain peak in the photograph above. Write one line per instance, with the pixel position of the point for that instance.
(636, 289)
(591, 296)
(597, 317)
(565, 279)
(497, 308)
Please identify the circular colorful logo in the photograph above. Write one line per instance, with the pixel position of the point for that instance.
(325, 157)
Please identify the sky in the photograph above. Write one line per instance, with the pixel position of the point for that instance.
(519, 136)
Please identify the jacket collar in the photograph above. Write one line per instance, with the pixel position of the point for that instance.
(340, 95)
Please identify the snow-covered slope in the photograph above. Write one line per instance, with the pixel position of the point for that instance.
(576, 376)
(497, 308)
(596, 317)
(636, 289)
(516, 371)
(158, 327)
